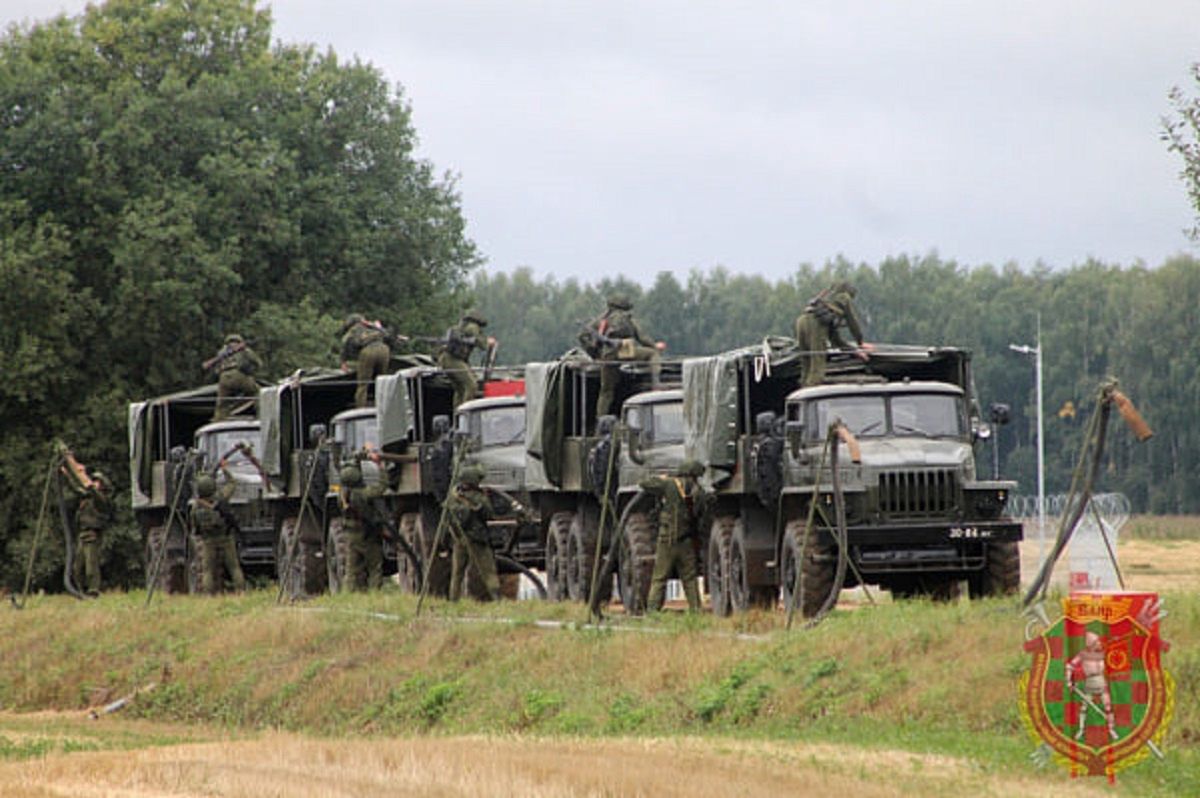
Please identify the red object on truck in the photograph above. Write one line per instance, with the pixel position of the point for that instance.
(504, 388)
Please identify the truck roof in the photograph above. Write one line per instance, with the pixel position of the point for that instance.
(848, 388)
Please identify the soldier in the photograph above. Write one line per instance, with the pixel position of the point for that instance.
(91, 517)
(364, 344)
(455, 358)
(360, 521)
(619, 338)
(1089, 665)
(235, 365)
(469, 507)
(682, 500)
(208, 515)
(817, 328)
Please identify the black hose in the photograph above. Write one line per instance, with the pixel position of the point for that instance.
(612, 559)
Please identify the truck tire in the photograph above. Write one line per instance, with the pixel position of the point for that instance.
(636, 563)
(172, 571)
(581, 549)
(556, 555)
(817, 565)
(1002, 574)
(306, 571)
(195, 567)
(716, 564)
(744, 596)
(335, 556)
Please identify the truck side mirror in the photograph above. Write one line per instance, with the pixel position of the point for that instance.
(794, 432)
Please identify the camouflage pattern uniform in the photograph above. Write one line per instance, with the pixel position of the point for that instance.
(91, 517)
(218, 549)
(461, 340)
(629, 343)
(469, 508)
(235, 375)
(364, 540)
(817, 328)
(682, 500)
(364, 343)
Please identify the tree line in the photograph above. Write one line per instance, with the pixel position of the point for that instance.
(1135, 323)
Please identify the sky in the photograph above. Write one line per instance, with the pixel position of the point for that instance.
(605, 137)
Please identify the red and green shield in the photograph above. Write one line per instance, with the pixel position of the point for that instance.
(1086, 733)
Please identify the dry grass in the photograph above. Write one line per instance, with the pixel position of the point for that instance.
(280, 764)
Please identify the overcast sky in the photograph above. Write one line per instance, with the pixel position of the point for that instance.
(637, 136)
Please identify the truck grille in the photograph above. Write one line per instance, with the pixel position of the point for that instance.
(918, 494)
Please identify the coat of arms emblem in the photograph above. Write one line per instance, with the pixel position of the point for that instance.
(1096, 694)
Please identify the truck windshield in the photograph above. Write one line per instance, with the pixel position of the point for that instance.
(923, 414)
(502, 426)
(360, 432)
(668, 422)
(930, 414)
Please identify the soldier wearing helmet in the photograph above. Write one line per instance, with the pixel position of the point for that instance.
(209, 517)
(362, 523)
(455, 358)
(235, 365)
(818, 327)
(615, 337)
(469, 508)
(366, 352)
(681, 506)
(92, 516)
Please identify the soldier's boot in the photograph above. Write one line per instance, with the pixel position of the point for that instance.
(691, 589)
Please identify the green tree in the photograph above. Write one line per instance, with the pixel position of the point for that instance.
(170, 176)
(1181, 131)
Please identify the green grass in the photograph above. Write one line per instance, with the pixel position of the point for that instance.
(910, 675)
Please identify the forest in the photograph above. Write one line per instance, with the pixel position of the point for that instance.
(170, 175)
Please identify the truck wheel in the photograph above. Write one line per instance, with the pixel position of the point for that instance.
(289, 566)
(817, 564)
(581, 549)
(406, 572)
(436, 562)
(742, 595)
(195, 567)
(716, 564)
(556, 555)
(335, 556)
(637, 563)
(172, 571)
(1002, 574)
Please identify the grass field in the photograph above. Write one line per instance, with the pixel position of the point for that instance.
(352, 695)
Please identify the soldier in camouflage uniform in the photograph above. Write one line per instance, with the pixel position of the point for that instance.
(363, 529)
(818, 328)
(681, 506)
(621, 339)
(469, 507)
(235, 365)
(364, 344)
(461, 340)
(92, 515)
(207, 514)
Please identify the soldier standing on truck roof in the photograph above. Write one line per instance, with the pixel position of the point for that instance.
(364, 533)
(235, 365)
(621, 339)
(455, 358)
(682, 500)
(93, 514)
(818, 328)
(208, 518)
(364, 344)
(469, 507)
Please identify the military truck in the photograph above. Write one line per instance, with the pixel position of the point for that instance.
(568, 453)
(295, 416)
(919, 519)
(491, 432)
(171, 438)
